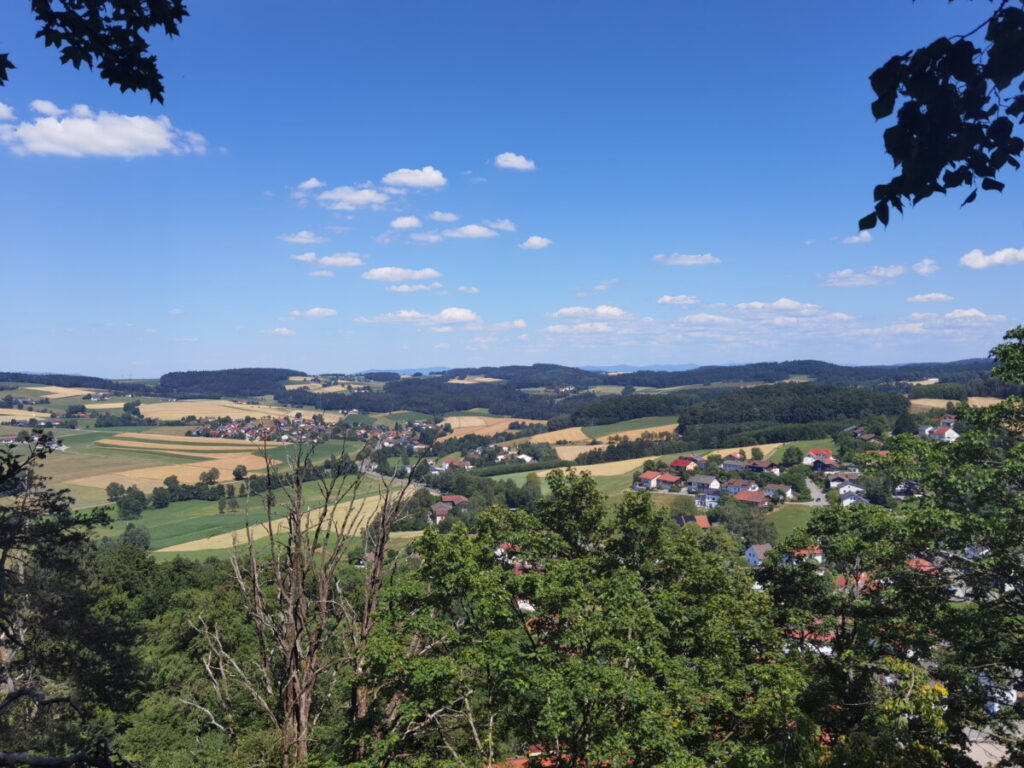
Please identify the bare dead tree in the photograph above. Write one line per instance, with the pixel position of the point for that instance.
(308, 630)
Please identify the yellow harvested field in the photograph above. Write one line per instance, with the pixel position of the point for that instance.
(300, 378)
(922, 404)
(104, 405)
(6, 414)
(480, 425)
(362, 509)
(216, 408)
(474, 380)
(766, 448)
(606, 469)
(569, 435)
(148, 478)
(570, 452)
(922, 382)
(183, 448)
(215, 441)
(983, 402)
(55, 393)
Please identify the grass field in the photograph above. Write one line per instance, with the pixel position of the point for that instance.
(803, 445)
(650, 424)
(788, 518)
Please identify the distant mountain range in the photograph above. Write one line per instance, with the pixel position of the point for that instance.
(632, 368)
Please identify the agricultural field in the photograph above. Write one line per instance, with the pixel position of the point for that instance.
(475, 380)
(925, 404)
(789, 517)
(633, 427)
(804, 445)
(481, 424)
(178, 409)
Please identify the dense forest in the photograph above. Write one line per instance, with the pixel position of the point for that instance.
(232, 382)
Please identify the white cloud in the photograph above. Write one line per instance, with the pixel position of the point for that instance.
(973, 316)
(535, 243)
(48, 108)
(861, 237)
(441, 329)
(687, 259)
(442, 216)
(925, 297)
(280, 332)
(783, 304)
(445, 316)
(895, 329)
(508, 324)
(514, 161)
(469, 289)
(926, 267)
(400, 274)
(604, 285)
(580, 328)
(84, 133)
(703, 318)
(311, 183)
(347, 259)
(314, 312)
(603, 310)
(307, 256)
(680, 299)
(428, 176)
(6, 112)
(411, 288)
(321, 273)
(977, 260)
(848, 278)
(469, 231)
(346, 198)
(503, 224)
(405, 222)
(303, 237)
(176, 312)
(426, 237)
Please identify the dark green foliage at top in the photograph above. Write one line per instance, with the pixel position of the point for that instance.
(957, 112)
(821, 372)
(240, 382)
(536, 375)
(59, 380)
(108, 35)
(794, 404)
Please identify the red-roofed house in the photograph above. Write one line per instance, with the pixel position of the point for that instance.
(456, 500)
(754, 498)
(647, 480)
(667, 482)
(684, 465)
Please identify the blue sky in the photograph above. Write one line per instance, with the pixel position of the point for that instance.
(339, 186)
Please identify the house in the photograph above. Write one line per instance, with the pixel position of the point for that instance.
(701, 521)
(779, 491)
(906, 488)
(684, 465)
(457, 501)
(647, 480)
(948, 420)
(756, 554)
(757, 499)
(737, 484)
(703, 483)
(438, 512)
(814, 553)
(697, 459)
(817, 454)
(825, 465)
(524, 457)
(710, 499)
(848, 499)
(846, 487)
(763, 465)
(945, 435)
(734, 463)
(668, 482)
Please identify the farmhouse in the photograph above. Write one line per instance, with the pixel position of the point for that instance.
(738, 484)
(734, 463)
(779, 491)
(753, 498)
(457, 501)
(756, 554)
(763, 465)
(703, 483)
(647, 480)
(439, 512)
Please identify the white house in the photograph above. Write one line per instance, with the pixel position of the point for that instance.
(756, 553)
